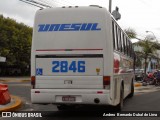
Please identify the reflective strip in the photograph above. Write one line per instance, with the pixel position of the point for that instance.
(67, 49)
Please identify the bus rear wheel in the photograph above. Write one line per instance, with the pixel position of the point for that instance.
(65, 107)
(61, 107)
(132, 90)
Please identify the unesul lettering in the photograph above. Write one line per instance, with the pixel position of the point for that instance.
(68, 27)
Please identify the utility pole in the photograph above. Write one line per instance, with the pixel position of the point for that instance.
(110, 6)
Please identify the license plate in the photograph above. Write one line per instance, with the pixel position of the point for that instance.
(68, 98)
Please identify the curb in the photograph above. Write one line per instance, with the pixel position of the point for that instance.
(17, 104)
(138, 84)
(4, 81)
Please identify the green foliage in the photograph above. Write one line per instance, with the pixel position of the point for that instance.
(139, 57)
(15, 42)
(149, 48)
(130, 32)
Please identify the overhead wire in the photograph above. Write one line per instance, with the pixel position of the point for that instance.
(31, 4)
(52, 3)
(36, 3)
(39, 3)
(43, 1)
(48, 3)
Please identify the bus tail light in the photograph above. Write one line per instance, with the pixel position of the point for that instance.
(37, 91)
(106, 82)
(33, 80)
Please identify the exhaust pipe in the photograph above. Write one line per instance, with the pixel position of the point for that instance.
(96, 100)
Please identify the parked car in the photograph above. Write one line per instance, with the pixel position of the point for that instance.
(139, 74)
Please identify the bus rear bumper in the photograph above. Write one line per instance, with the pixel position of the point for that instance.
(71, 96)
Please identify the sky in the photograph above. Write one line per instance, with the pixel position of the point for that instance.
(140, 15)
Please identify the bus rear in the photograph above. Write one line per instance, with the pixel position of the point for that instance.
(69, 52)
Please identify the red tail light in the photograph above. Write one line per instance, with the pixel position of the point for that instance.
(37, 91)
(106, 81)
(99, 92)
(33, 80)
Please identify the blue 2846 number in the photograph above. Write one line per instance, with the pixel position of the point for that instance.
(64, 66)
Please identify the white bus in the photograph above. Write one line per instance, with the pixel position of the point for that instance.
(80, 56)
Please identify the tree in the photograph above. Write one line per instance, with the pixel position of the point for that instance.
(15, 43)
(149, 48)
(139, 57)
(130, 32)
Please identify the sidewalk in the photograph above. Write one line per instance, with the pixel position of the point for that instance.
(137, 84)
(15, 79)
(146, 89)
(15, 103)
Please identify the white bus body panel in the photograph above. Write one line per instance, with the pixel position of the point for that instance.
(82, 96)
(69, 82)
(91, 65)
(84, 87)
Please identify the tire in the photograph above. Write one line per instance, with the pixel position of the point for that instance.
(144, 84)
(151, 82)
(158, 83)
(120, 105)
(65, 107)
(132, 91)
(62, 107)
